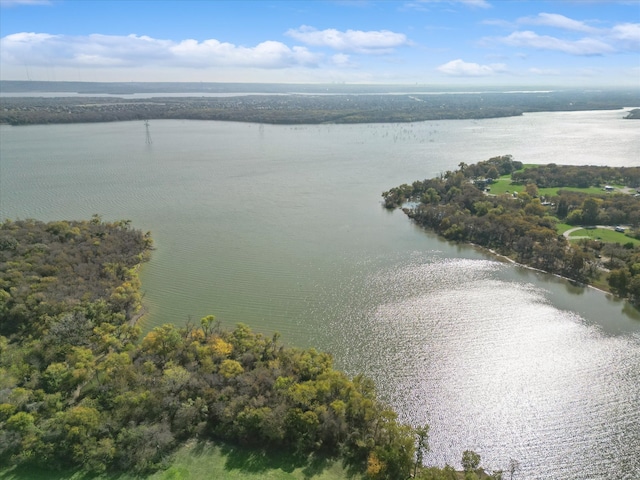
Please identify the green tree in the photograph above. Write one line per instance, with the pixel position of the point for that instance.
(470, 461)
(20, 422)
(208, 323)
(619, 281)
(422, 446)
(431, 196)
(563, 207)
(163, 341)
(493, 173)
(590, 210)
(230, 368)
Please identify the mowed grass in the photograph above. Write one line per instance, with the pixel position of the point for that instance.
(206, 460)
(503, 186)
(604, 235)
(563, 227)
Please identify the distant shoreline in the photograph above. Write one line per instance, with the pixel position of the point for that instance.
(287, 104)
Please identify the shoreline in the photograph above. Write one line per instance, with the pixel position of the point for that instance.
(305, 109)
(557, 275)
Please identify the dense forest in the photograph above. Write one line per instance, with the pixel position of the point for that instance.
(459, 206)
(79, 388)
(310, 106)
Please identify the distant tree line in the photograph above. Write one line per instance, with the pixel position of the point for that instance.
(523, 227)
(305, 109)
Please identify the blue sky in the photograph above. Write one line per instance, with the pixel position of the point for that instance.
(434, 42)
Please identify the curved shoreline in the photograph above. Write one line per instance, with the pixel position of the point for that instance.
(557, 275)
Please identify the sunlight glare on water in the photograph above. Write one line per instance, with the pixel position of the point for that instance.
(493, 367)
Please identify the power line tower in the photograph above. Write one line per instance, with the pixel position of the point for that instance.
(146, 126)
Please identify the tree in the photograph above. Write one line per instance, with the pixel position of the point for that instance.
(563, 207)
(532, 189)
(619, 281)
(431, 196)
(590, 210)
(163, 341)
(422, 446)
(493, 173)
(207, 323)
(634, 289)
(470, 461)
(230, 368)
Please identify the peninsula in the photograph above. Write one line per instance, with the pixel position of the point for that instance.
(582, 222)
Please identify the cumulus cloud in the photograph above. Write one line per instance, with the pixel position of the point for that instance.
(460, 68)
(97, 50)
(377, 41)
(583, 46)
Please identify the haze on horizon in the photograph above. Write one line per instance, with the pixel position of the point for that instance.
(577, 43)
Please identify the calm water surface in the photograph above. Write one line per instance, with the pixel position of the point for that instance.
(281, 228)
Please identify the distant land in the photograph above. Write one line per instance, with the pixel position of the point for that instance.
(31, 102)
(634, 114)
(131, 88)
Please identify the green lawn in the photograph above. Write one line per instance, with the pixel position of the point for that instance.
(197, 461)
(563, 227)
(503, 185)
(604, 235)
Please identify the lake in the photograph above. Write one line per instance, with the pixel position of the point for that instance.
(282, 228)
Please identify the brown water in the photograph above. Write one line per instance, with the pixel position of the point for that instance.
(281, 228)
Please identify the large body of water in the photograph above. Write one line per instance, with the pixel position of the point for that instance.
(281, 228)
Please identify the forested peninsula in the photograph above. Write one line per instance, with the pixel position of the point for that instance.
(580, 222)
(285, 104)
(80, 390)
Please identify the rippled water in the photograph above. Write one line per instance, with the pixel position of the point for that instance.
(281, 228)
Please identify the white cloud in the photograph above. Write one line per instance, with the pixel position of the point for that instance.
(584, 46)
(558, 21)
(628, 34)
(460, 68)
(269, 54)
(41, 49)
(377, 41)
(341, 60)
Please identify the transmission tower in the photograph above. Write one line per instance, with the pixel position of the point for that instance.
(146, 126)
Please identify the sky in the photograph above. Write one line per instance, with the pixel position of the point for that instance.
(579, 43)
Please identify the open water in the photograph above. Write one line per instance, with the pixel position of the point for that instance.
(281, 227)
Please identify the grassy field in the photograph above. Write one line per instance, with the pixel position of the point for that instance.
(604, 235)
(503, 185)
(563, 227)
(205, 460)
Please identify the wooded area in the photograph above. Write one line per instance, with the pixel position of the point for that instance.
(79, 389)
(308, 108)
(523, 226)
